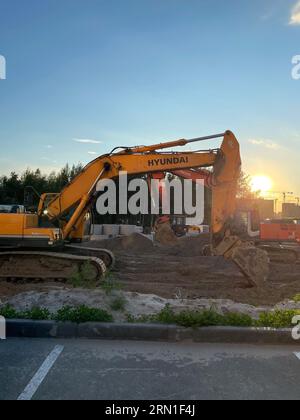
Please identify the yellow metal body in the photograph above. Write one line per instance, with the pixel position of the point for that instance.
(22, 229)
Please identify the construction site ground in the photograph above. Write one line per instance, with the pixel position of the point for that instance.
(153, 275)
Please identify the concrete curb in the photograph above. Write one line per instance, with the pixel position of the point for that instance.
(148, 332)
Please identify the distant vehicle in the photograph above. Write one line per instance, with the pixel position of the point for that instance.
(11, 209)
(280, 230)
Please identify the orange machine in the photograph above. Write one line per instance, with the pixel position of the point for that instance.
(282, 230)
(36, 244)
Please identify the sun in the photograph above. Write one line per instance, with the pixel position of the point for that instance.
(261, 183)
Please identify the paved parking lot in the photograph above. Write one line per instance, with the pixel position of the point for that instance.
(82, 369)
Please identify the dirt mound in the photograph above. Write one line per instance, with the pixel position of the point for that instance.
(189, 246)
(135, 243)
(191, 277)
(165, 235)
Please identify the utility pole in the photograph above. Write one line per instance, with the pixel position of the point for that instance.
(275, 204)
(285, 194)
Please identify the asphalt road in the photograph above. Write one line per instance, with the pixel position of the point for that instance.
(113, 370)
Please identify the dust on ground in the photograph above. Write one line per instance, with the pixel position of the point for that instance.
(180, 273)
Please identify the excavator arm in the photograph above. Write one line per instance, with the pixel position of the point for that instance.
(74, 201)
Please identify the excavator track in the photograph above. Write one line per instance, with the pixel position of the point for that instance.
(47, 266)
(282, 254)
(103, 254)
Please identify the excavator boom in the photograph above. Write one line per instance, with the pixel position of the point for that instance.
(76, 198)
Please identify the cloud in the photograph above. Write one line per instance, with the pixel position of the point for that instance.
(49, 160)
(295, 16)
(87, 141)
(93, 153)
(49, 146)
(268, 144)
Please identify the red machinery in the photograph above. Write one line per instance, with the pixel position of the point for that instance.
(280, 230)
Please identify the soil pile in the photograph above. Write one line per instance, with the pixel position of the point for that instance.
(189, 246)
(135, 243)
(165, 235)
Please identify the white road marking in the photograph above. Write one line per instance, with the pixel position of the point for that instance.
(297, 355)
(41, 374)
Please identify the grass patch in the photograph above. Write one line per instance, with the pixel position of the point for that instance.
(35, 314)
(84, 277)
(277, 319)
(194, 319)
(188, 319)
(110, 284)
(296, 298)
(78, 314)
(82, 314)
(9, 312)
(118, 303)
(210, 318)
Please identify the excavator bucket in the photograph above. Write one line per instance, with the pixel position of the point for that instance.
(254, 263)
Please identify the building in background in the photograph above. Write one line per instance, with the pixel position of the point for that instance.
(265, 208)
(290, 210)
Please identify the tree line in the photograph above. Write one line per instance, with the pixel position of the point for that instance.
(12, 187)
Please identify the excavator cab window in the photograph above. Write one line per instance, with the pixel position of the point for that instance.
(12, 209)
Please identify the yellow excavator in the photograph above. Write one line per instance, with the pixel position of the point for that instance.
(45, 245)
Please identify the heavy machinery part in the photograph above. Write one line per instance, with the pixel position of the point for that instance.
(281, 254)
(197, 175)
(77, 197)
(253, 262)
(280, 230)
(30, 265)
(103, 254)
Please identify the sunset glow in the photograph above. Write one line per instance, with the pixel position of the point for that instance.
(261, 183)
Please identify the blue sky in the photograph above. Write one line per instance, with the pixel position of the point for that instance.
(127, 72)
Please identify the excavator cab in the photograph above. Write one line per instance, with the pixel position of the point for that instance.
(11, 209)
(23, 230)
